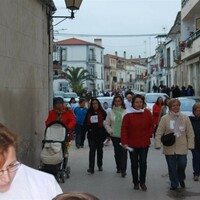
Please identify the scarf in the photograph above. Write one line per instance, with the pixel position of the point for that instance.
(59, 112)
(118, 111)
(179, 123)
(100, 117)
(133, 110)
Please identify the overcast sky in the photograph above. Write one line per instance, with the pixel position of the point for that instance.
(119, 17)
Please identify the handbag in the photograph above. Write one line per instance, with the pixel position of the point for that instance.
(168, 139)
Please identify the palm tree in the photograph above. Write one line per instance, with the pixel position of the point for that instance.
(76, 77)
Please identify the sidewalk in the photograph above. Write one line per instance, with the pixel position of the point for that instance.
(108, 185)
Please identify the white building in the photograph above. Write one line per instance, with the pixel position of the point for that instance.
(78, 53)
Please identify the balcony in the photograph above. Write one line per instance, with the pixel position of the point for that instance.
(92, 58)
(192, 45)
(189, 9)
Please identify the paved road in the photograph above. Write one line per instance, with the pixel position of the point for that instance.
(108, 185)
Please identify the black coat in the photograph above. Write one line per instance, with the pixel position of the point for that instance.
(196, 127)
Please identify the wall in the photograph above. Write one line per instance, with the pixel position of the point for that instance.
(24, 88)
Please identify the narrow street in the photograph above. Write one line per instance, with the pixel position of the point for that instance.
(108, 185)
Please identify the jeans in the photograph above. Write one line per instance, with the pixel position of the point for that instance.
(196, 161)
(120, 154)
(80, 134)
(139, 156)
(176, 168)
(94, 146)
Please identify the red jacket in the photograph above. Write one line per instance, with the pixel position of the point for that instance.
(137, 129)
(68, 118)
(156, 112)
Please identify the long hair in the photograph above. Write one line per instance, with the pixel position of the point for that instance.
(91, 109)
(122, 100)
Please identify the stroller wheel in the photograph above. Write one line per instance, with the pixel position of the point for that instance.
(58, 177)
(68, 172)
(62, 176)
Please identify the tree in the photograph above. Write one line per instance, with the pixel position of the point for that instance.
(76, 77)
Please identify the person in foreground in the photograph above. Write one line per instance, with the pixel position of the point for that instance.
(113, 124)
(18, 181)
(136, 131)
(195, 120)
(75, 196)
(176, 154)
(96, 134)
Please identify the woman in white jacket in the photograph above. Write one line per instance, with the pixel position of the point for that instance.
(113, 124)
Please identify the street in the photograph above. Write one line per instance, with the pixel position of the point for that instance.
(108, 185)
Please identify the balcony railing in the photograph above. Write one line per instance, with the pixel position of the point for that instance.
(192, 38)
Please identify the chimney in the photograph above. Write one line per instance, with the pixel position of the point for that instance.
(124, 54)
(115, 53)
(98, 42)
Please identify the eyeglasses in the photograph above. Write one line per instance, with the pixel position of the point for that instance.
(12, 167)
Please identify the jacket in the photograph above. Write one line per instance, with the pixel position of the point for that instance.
(80, 114)
(68, 118)
(137, 129)
(156, 112)
(184, 142)
(196, 127)
(109, 123)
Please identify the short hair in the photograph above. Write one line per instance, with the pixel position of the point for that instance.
(7, 139)
(81, 100)
(75, 196)
(195, 106)
(173, 100)
(138, 96)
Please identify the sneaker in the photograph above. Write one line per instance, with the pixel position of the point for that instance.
(90, 171)
(143, 187)
(123, 174)
(136, 187)
(100, 169)
(182, 184)
(196, 178)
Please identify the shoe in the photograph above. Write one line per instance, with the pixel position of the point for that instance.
(119, 171)
(173, 188)
(100, 169)
(182, 184)
(91, 171)
(143, 187)
(123, 174)
(196, 178)
(136, 187)
(78, 146)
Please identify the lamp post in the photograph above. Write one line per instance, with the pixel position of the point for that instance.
(72, 5)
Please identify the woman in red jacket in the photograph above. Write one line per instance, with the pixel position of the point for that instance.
(136, 131)
(61, 113)
(156, 112)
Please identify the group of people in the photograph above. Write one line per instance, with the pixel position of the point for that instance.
(130, 130)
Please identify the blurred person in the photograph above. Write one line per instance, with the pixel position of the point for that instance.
(113, 124)
(195, 120)
(96, 134)
(18, 181)
(176, 154)
(156, 112)
(165, 108)
(75, 196)
(80, 114)
(136, 131)
(107, 109)
(128, 101)
(72, 103)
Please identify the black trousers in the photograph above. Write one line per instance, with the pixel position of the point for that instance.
(120, 154)
(95, 145)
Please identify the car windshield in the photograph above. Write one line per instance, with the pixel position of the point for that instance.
(109, 101)
(70, 95)
(186, 104)
(153, 98)
(58, 94)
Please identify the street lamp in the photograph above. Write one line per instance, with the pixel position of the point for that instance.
(72, 5)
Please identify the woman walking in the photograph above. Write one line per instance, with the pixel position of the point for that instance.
(113, 124)
(137, 129)
(96, 134)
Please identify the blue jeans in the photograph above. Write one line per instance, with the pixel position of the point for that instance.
(176, 168)
(139, 156)
(196, 161)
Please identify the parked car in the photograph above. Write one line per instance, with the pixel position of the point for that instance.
(106, 99)
(151, 98)
(58, 94)
(68, 95)
(139, 92)
(187, 103)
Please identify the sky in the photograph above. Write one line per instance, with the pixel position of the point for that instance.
(98, 18)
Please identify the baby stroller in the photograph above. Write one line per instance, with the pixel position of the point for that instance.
(54, 154)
